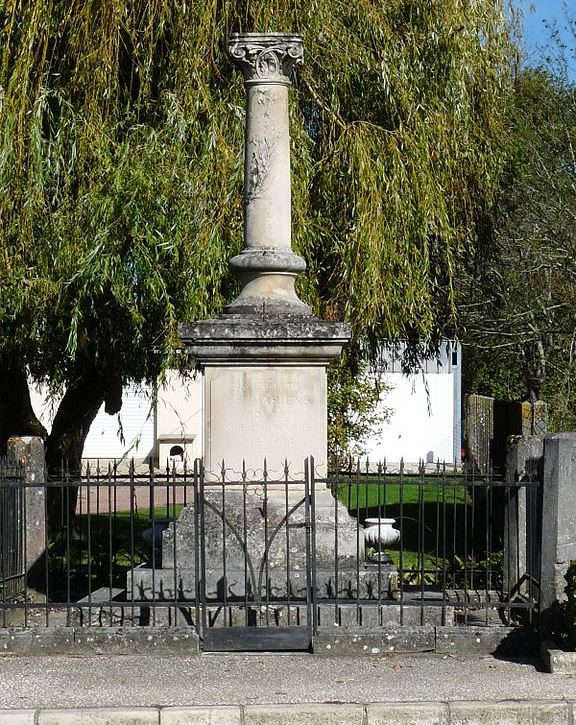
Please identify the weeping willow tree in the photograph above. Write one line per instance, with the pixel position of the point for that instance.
(121, 126)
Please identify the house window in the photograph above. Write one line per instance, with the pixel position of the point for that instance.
(177, 453)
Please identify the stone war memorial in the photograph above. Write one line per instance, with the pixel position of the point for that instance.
(264, 539)
(260, 546)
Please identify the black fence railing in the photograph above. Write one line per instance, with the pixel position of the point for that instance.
(362, 546)
(454, 549)
(12, 542)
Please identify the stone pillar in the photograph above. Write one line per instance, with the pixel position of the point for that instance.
(558, 516)
(28, 451)
(522, 515)
(264, 360)
(267, 266)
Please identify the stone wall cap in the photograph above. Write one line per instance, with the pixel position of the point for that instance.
(288, 328)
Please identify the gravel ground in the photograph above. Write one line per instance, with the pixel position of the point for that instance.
(211, 679)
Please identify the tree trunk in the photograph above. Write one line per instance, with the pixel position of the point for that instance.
(17, 418)
(64, 446)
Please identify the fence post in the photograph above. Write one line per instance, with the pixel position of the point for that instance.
(29, 452)
(521, 519)
(558, 516)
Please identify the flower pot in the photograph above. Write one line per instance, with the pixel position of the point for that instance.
(379, 533)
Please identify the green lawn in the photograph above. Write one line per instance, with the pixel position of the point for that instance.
(116, 546)
(364, 495)
(435, 517)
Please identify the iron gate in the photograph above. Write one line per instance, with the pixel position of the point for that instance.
(255, 562)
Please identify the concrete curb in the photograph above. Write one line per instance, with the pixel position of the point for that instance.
(507, 712)
(557, 661)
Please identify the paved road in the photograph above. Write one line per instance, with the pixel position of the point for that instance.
(125, 680)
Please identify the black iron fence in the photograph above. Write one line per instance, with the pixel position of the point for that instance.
(364, 545)
(466, 544)
(12, 541)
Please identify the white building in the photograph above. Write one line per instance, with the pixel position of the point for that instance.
(424, 412)
(160, 425)
(424, 409)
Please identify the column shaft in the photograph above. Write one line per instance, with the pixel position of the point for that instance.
(267, 168)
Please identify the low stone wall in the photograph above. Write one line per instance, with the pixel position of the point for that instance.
(328, 641)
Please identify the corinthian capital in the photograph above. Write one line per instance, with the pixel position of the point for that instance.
(266, 57)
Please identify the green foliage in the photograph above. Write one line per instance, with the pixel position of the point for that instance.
(121, 167)
(519, 297)
(353, 411)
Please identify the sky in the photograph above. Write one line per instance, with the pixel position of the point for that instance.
(536, 36)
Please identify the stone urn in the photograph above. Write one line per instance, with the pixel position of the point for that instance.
(379, 533)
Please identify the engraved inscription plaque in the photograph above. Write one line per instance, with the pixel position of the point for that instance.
(257, 413)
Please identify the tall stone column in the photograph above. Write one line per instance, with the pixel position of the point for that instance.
(267, 267)
(264, 359)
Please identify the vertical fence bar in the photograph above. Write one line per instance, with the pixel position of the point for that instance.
(509, 575)
(23, 540)
(439, 485)
(4, 538)
(132, 494)
(286, 515)
(67, 530)
(336, 551)
(110, 541)
(401, 555)
(226, 611)
(421, 547)
(245, 538)
(198, 557)
(444, 552)
(266, 561)
(380, 488)
(489, 527)
(358, 469)
(89, 541)
(152, 508)
(310, 522)
(174, 547)
(46, 559)
(465, 552)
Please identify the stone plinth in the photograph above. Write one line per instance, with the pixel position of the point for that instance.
(264, 390)
(265, 558)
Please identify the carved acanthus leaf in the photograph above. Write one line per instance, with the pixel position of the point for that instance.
(268, 59)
